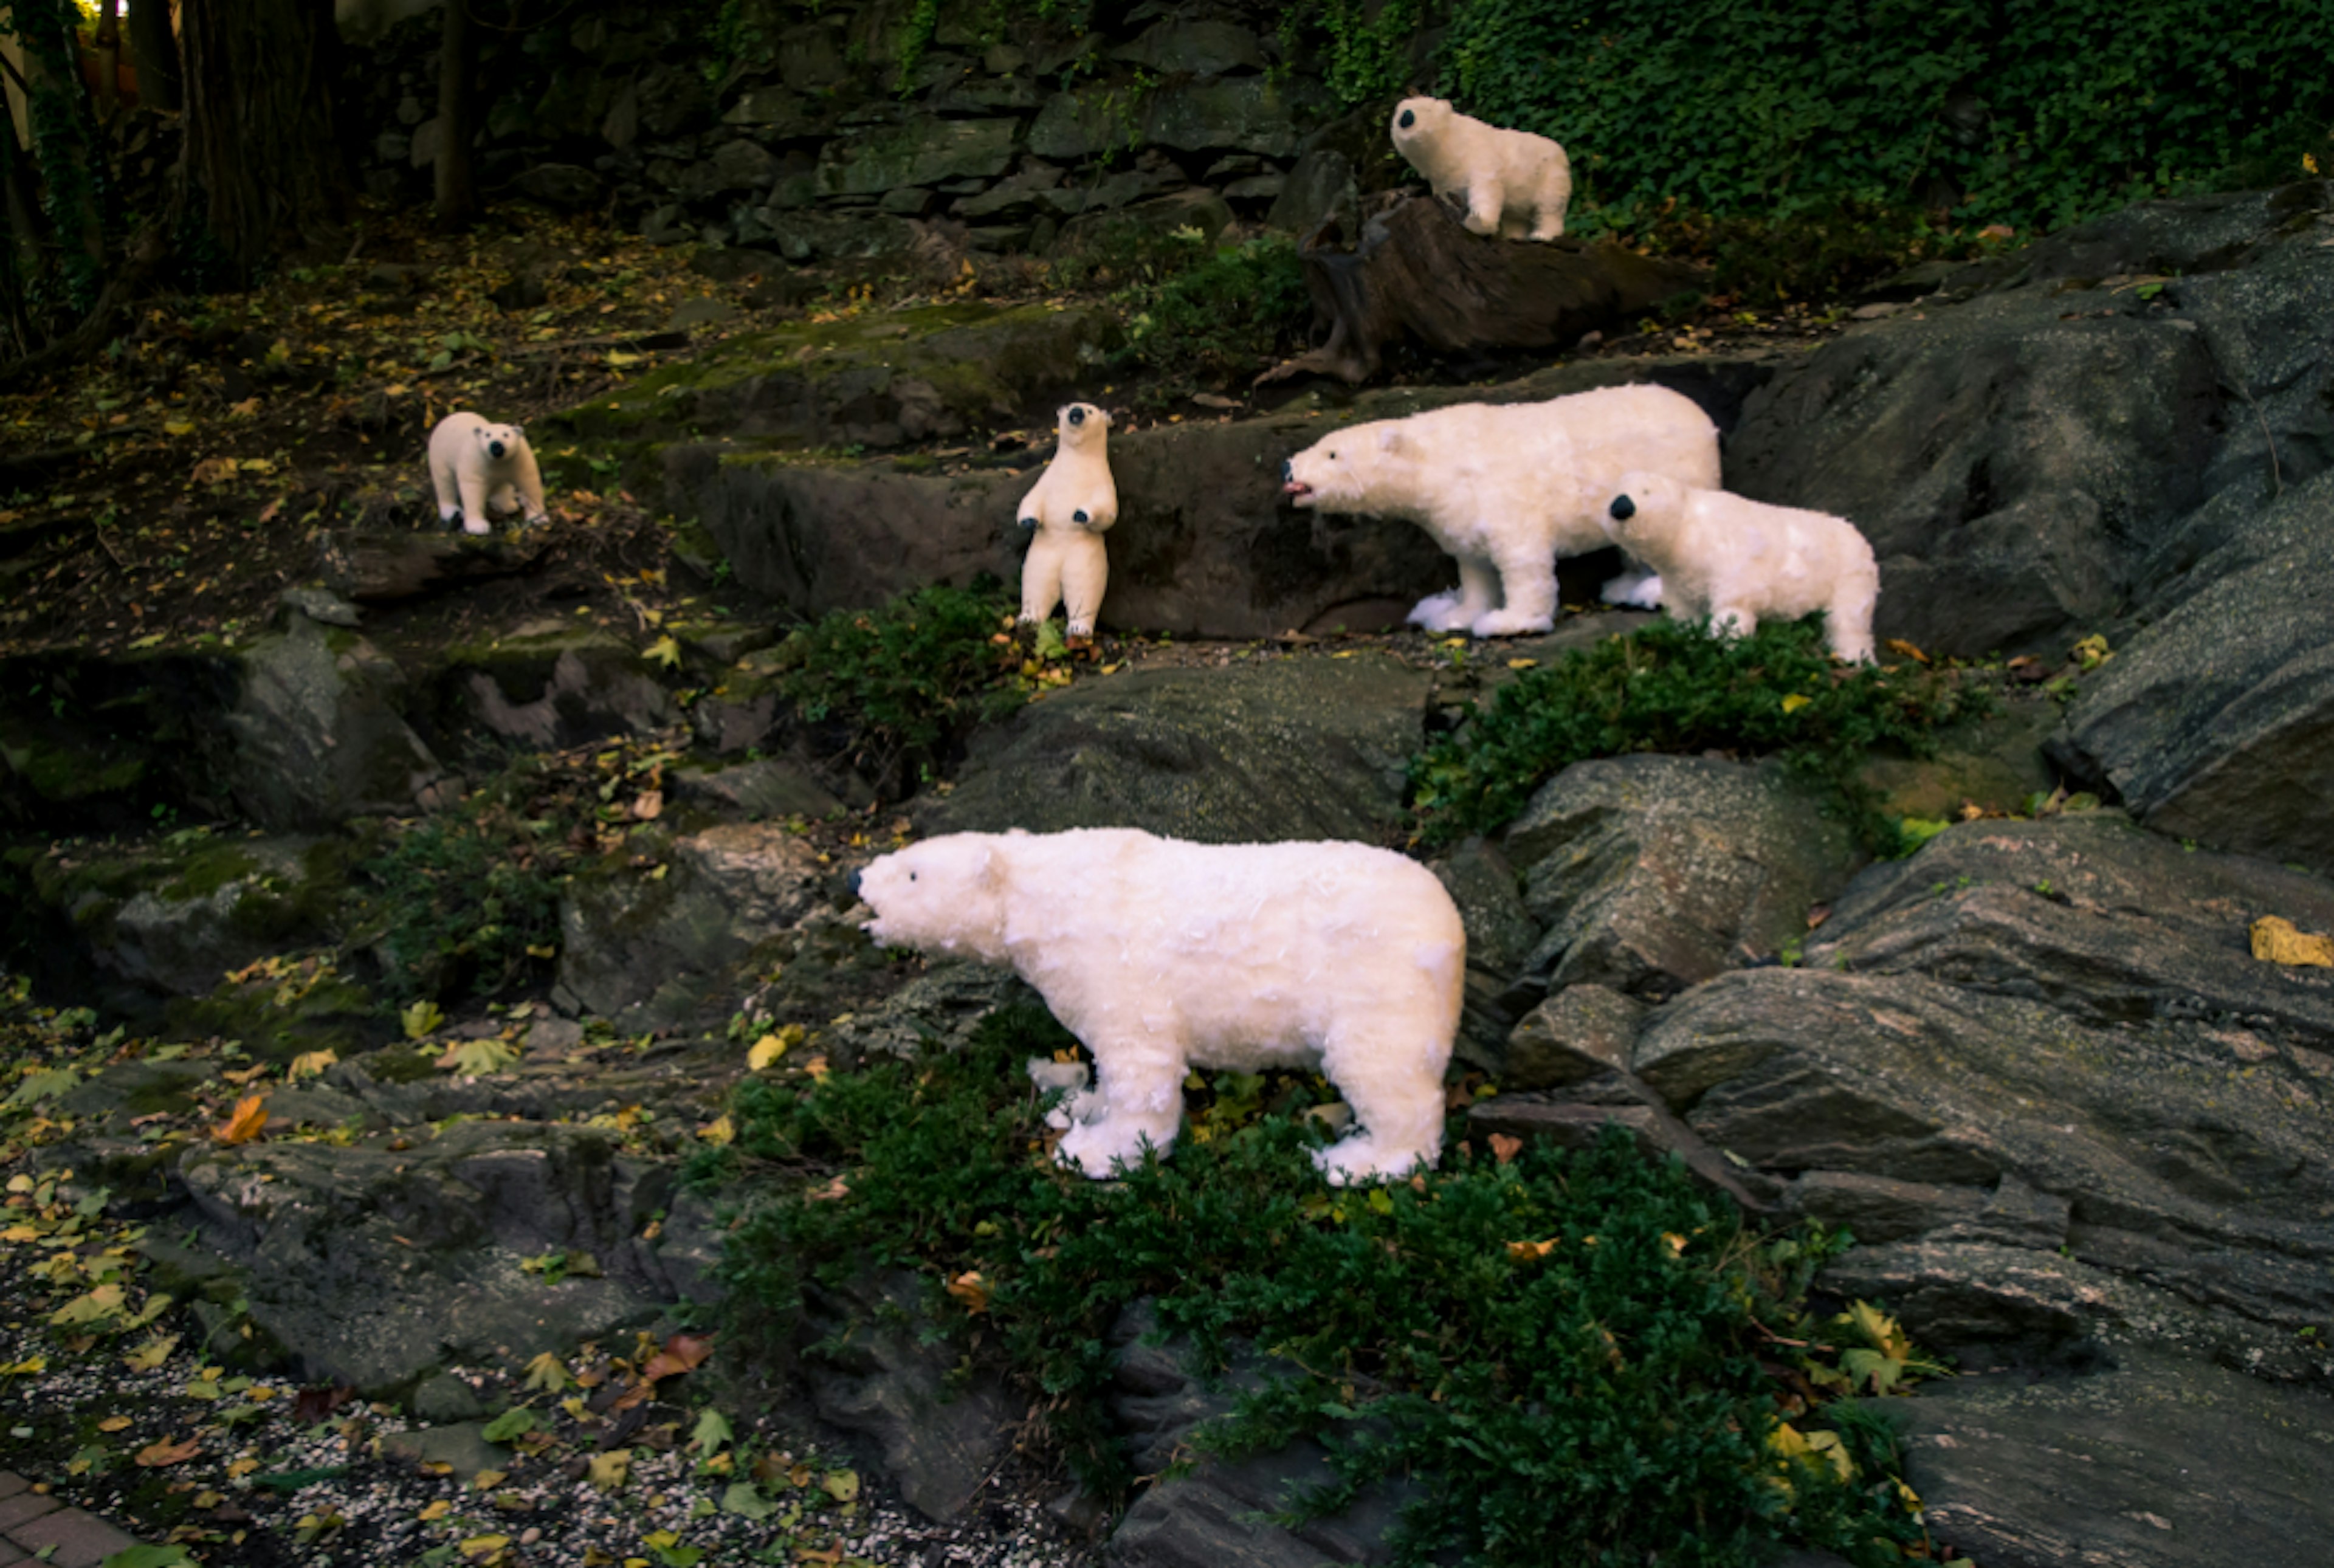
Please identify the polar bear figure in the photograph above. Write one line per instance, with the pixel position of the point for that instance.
(1735, 559)
(1516, 185)
(1161, 955)
(1506, 488)
(1066, 510)
(474, 465)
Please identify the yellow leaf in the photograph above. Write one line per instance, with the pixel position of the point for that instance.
(178, 427)
(2277, 940)
(157, 1454)
(1898, 645)
(842, 1485)
(239, 1469)
(1675, 1242)
(1522, 663)
(1793, 703)
(478, 1546)
(1525, 1251)
(664, 651)
(971, 1290)
(250, 1116)
(150, 1356)
(720, 1132)
(770, 1047)
(31, 1366)
(817, 1067)
(311, 1064)
(487, 1480)
(1793, 1444)
(618, 359)
(608, 1471)
(113, 1424)
(155, 640)
(437, 1510)
(547, 1373)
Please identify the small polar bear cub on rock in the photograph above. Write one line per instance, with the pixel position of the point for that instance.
(1736, 561)
(1161, 955)
(474, 465)
(1066, 510)
(1506, 488)
(1516, 185)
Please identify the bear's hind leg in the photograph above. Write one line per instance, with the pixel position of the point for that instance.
(1394, 1081)
(1848, 623)
(1483, 201)
(450, 495)
(1041, 579)
(1085, 572)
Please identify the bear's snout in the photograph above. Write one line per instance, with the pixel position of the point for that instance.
(494, 449)
(1622, 509)
(1078, 416)
(1409, 118)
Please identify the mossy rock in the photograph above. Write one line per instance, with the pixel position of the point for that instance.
(548, 684)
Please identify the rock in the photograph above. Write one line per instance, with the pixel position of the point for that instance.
(939, 1437)
(2161, 1461)
(445, 1397)
(460, 1446)
(319, 731)
(523, 293)
(551, 683)
(1145, 223)
(772, 788)
(321, 605)
(1303, 748)
(373, 1268)
(1319, 187)
(701, 312)
(649, 952)
(925, 152)
(742, 164)
(1581, 1032)
(1653, 873)
(563, 185)
(1196, 48)
(377, 568)
(1500, 934)
(2011, 459)
(936, 1011)
(1247, 113)
(1995, 763)
(779, 110)
(810, 236)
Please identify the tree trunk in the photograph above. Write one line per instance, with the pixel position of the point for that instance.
(457, 71)
(1418, 275)
(108, 60)
(155, 50)
(260, 140)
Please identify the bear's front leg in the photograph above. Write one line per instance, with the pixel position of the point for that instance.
(1730, 621)
(1527, 583)
(474, 503)
(528, 482)
(1485, 197)
(1140, 1086)
(1639, 586)
(1478, 596)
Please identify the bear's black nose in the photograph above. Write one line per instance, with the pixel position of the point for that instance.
(495, 447)
(851, 882)
(1623, 508)
(1409, 119)
(1288, 470)
(1078, 416)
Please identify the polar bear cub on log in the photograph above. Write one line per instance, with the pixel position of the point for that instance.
(1066, 510)
(1506, 488)
(1735, 559)
(1516, 185)
(1161, 955)
(474, 465)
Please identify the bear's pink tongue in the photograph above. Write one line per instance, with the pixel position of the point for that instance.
(1297, 489)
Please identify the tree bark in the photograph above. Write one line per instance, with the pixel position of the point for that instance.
(260, 140)
(155, 49)
(457, 71)
(1419, 276)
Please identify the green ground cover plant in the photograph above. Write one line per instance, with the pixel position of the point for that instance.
(1670, 687)
(1566, 1349)
(1218, 311)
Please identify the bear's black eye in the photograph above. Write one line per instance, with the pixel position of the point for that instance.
(1408, 119)
(911, 876)
(1332, 457)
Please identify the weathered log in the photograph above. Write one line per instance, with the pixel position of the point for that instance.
(1418, 273)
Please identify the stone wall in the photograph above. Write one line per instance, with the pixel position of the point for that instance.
(807, 143)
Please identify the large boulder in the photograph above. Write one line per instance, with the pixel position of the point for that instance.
(319, 731)
(1289, 748)
(548, 684)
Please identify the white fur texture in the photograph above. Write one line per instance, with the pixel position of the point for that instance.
(1735, 559)
(1073, 501)
(1161, 954)
(1506, 488)
(469, 476)
(1515, 184)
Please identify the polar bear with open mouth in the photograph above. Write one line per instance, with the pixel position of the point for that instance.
(1161, 956)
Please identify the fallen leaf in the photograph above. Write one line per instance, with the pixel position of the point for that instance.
(478, 1546)
(1525, 1251)
(474, 1057)
(648, 805)
(547, 1373)
(664, 651)
(1504, 1148)
(682, 1354)
(214, 470)
(770, 1047)
(487, 1480)
(842, 1486)
(151, 1355)
(607, 1472)
(311, 1064)
(437, 1510)
(250, 1116)
(1898, 645)
(1796, 701)
(713, 1431)
(720, 1132)
(113, 1424)
(421, 1020)
(178, 427)
(2277, 940)
(157, 1454)
(971, 1290)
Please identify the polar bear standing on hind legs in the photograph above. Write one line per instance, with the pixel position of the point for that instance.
(473, 465)
(1516, 185)
(1066, 510)
(1506, 488)
(1736, 561)
(1161, 956)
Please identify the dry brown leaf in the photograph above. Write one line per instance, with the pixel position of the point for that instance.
(1899, 646)
(1504, 1148)
(971, 1290)
(1525, 1251)
(113, 1423)
(2277, 940)
(250, 1116)
(165, 1452)
(682, 1354)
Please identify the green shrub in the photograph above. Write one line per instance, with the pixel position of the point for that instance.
(1600, 1399)
(453, 902)
(896, 688)
(1227, 312)
(1676, 689)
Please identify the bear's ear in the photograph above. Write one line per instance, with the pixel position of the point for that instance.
(518, 430)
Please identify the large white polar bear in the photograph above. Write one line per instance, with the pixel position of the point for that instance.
(1515, 184)
(473, 464)
(1161, 954)
(1735, 559)
(1506, 488)
(1066, 510)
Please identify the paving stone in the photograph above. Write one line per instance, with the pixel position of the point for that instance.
(23, 1506)
(12, 1483)
(82, 1540)
(10, 1557)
